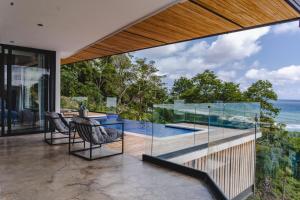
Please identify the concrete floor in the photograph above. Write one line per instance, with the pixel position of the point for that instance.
(32, 170)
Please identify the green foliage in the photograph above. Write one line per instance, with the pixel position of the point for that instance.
(68, 102)
(231, 92)
(275, 168)
(135, 84)
(206, 88)
(262, 91)
(180, 86)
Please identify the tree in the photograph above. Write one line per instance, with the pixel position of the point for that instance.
(230, 92)
(120, 76)
(180, 86)
(262, 92)
(146, 90)
(206, 87)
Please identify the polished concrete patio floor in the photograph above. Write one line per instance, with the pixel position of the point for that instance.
(32, 170)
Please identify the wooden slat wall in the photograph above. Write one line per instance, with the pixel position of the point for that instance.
(232, 169)
(189, 20)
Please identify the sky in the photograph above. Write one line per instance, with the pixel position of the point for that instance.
(268, 53)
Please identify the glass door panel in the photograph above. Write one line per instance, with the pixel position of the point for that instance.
(29, 75)
(3, 91)
(24, 90)
(2, 97)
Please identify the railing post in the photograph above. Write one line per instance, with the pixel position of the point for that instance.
(254, 172)
(152, 130)
(123, 137)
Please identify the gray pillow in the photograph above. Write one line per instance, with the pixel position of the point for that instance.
(59, 124)
(84, 131)
(113, 134)
(102, 136)
(109, 134)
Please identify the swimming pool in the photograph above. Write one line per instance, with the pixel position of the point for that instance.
(145, 128)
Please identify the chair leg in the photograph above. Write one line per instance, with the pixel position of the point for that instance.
(45, 134)
(51, 140)
(69, 141)
(91, 150)
(74, 137)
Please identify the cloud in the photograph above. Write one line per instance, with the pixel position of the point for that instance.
(190, 58)
(288, 74)
(292, 27)
(235, 46)
(226, 75)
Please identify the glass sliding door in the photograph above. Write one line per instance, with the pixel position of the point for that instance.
(3, 86)
(25, 89)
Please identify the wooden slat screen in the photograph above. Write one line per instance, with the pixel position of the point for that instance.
(231, 169)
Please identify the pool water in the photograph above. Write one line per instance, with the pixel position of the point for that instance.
(145, 128)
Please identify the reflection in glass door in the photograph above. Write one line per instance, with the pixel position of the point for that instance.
(24, 90)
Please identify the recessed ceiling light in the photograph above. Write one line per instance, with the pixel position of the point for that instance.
(12, 3)
(40, 25)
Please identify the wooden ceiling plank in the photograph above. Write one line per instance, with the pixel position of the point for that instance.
(124, 45)
(93, 50)
(185, 20)
(159, 31)
(251, 13)
(139, 38)
(99, 47)
(217, 14)
(124, 39)
(144, 37)
(107, 47)
(192, 19)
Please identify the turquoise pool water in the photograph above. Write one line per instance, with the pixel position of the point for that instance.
(145, 128)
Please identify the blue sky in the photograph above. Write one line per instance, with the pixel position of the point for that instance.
(271, 53)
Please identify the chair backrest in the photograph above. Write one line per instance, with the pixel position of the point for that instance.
(88, 130)
(63, 120)
(57, 122)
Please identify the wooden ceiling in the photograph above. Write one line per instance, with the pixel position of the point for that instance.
(189, 20)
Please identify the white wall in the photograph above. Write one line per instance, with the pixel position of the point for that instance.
(57, 83)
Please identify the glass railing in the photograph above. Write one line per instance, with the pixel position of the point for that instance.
(231, 147)
(105, 105)
(218, 139)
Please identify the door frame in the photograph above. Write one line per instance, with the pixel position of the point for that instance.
(50, 58)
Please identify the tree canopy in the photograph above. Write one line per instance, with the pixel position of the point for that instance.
(135, 83)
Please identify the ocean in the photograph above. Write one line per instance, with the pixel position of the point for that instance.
(289, 114)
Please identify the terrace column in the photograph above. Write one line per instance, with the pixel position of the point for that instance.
(57, 83)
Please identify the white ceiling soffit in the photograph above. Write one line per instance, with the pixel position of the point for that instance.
(69, 25)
